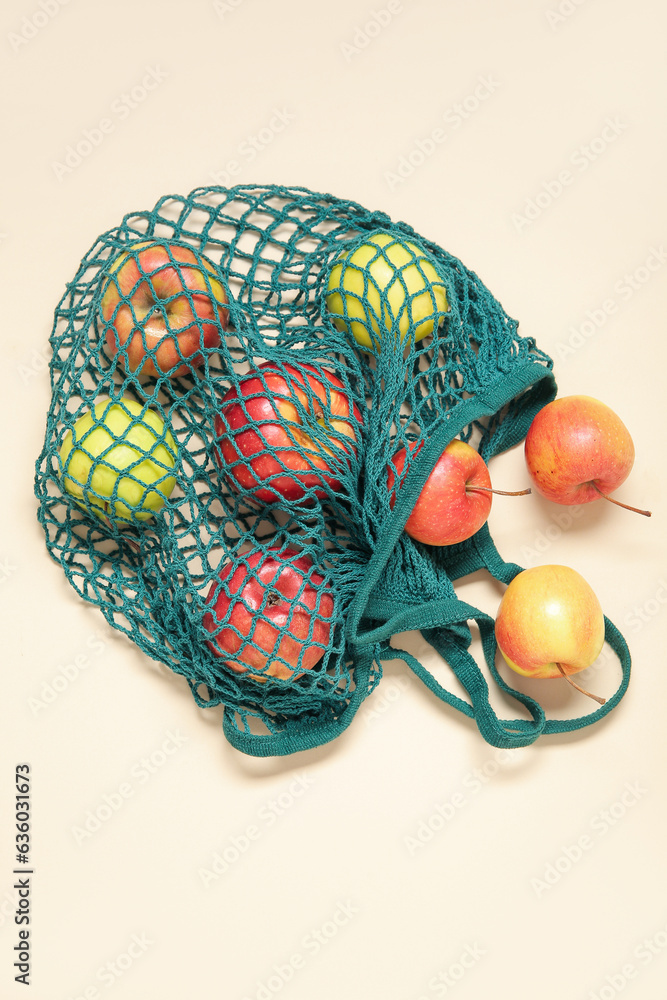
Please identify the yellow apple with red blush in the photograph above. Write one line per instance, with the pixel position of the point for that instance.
(550, 623)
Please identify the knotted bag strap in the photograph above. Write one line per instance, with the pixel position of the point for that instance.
(489, 558)
(437, 619)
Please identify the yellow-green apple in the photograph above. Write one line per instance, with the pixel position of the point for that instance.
(266, 442)
(550, 623)
(119, 459)
(270, 612)
(577, 450)
(162, 304)
(455, 500)
(383, 286)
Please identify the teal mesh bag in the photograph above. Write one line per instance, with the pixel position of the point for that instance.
(230, 383)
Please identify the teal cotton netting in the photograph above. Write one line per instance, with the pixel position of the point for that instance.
(220, 490)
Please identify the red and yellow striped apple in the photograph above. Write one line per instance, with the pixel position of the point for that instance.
(577, 450)
(253, 600)
(267, 445)
(162, 303)
(455, 500)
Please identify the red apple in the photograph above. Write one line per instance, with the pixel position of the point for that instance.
(455, 500)
(254, 599)
(550, 623)
(578, 450)
(265, 443)
(163, 303)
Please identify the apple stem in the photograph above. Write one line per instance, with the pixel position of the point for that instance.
(637, 510)
(109, 523)
(569, 680)
(502, 493)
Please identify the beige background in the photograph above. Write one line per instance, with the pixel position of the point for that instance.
(545, 874)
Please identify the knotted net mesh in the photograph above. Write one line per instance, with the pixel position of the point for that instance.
(232, 374)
